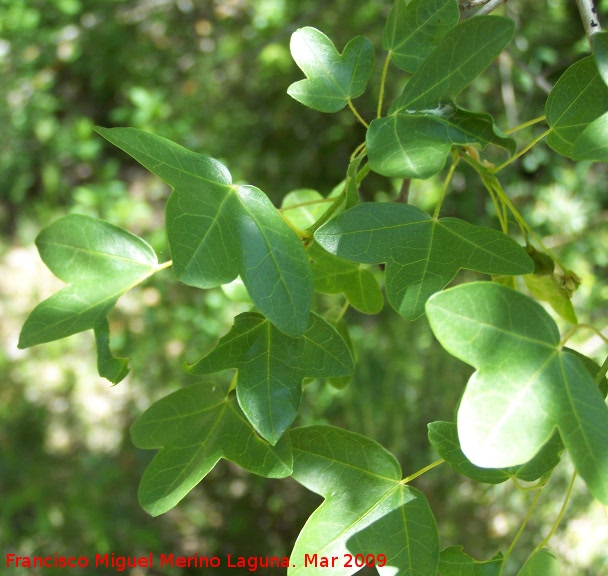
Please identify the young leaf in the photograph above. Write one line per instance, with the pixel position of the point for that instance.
(453, 561)
(333, 275)
(422, 255)
(99, 261)
(303, 217)
(413, 29)
(578, 98)
(217, 230)
(332, 78)
(416, 144)
(540, 562)
(367, 509)
(444, 438)
(272, 365)
(525, 386)
(109, 367)
(547, 289)
(195, 427)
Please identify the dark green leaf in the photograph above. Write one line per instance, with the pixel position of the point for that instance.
(99, 261)
(217, 230)
(578, 98)
(332, 78)
(272, 365)
(422, 255)
(455, 562)
(525, 386)
(540, 563)
(600, 53)
(367, 509)
(195, 427)
(108, 366)
(413, 29)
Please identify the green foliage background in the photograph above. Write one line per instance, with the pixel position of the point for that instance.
(213, 76)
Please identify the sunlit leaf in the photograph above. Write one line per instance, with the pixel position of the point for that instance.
(592, 144)
(367, 509)
(217, 230)
(108, 366)
(422, 255)
(526, 384)
(547, 289)
(332, 79)
(304, 207)
(195, 427)
(272, 365)
(413, 29)
(541, 562)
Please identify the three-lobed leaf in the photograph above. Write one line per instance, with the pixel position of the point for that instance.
(272, 365)
(414, 28)
(195, 427)
(217, 230)
(525, 385)
(332, 79)
(367, 508)
(422, 254)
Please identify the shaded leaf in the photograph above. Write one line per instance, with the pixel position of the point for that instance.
(422, 255)
(444, 438)
(333, 275)
(525, 386)
(367, 510)
(453, 561)
(541, 562)
(332, 78)
(600, 53)
(217, 230)
(578, 98)
(195, 427)
(109, 367)
(272, 365)
(99, 261)
(413, 29)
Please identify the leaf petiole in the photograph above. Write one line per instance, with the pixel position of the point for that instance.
(356, 113)
(521, 152)
(422, 471)
(382, 84)
(525, 125)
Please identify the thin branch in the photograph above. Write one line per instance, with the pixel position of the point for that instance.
(589, 17)
(469, 8)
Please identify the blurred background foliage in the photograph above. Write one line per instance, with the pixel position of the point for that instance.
(212, 75)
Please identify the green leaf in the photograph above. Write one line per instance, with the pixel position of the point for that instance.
(462, 55)
(99, 261)
(578, 98)
(455, 562)
(352, 185)
(547, 289)
(600, 53)
(367, 509)
(592, 144)
(525, 386)
(217, 230)
(109, 367)
(422, 255)
(416, 144)
(413, 29)
(540, 563)
(332, 78)
(444, 438)
(303, 217)
(272, 365)
(333, 275)
(195, 427)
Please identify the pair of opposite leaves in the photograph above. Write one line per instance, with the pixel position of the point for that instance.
(422, 37)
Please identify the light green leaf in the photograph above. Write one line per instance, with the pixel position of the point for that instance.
(217, 230)
(272, 365)
(303, 217)
(195, 427)
(525, 386)
(332, 78)
(333, 275)
(540, 563)
(600, 53)
(422, 255)
(99, 261)
(592, 144)
(367, 509)
(547, 289)
(413, 29)
(417, 144)
(462, 55)
(351, 185)
(444, 438)
(578, 98)
(109, 367)
(455, 562)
